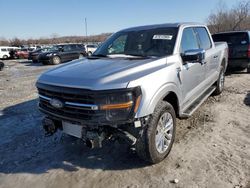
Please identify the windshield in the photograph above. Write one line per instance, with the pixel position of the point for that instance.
(54, 48)
(151, 42)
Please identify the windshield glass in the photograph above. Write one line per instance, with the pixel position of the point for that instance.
(151, 42)
(54, 48)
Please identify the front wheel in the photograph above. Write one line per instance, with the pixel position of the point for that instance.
(158, 136)
(220, 82)
(89, 53)
(248, 70)
(56, 60)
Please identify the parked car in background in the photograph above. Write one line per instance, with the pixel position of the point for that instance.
(35, 54)
(5, 51)
(1, 65)
(62, 53)
(239, 48)
(91, 48)
(134, 86)
(22, 53)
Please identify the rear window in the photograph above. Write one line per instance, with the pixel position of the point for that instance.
(91, 46)
(232, 38)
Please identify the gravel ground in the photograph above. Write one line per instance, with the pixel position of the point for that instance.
(212, 148)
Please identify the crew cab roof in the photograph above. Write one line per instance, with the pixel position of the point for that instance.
(173, 25)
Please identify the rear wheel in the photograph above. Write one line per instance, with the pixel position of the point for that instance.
(158, 136)
(56, 60)
(5, 57)
(220, 82)
(81, 56)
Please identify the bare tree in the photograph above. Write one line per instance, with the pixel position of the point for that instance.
(16, 42)
(4, 41)
(236, 18)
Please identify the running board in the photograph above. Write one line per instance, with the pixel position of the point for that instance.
(191, 109)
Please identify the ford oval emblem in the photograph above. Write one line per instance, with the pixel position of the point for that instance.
(56, 103)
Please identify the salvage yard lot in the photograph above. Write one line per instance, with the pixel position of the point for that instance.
(212, 148)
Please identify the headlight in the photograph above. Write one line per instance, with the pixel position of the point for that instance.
(50, 54)
(122, 105)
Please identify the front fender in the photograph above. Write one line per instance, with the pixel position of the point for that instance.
(148, 103)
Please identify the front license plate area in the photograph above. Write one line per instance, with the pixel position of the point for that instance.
(72, 129)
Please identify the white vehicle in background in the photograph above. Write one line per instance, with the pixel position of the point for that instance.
(5, 51)
(90, 48)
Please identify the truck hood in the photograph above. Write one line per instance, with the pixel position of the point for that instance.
(101, 74)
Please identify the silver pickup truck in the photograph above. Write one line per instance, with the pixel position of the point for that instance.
(134, 87)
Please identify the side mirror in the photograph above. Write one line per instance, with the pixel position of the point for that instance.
(193, 56)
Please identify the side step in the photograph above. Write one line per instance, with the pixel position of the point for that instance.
(191, 109)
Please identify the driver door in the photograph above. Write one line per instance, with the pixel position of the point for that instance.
(192, 73)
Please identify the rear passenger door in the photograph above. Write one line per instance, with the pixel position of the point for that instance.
(66, 54)
(193, 74)
(74, 52)
(211, 61)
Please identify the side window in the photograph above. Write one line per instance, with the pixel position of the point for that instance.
(67, 48)
(4, 50)
(73, 47)
(118, 46)
(189, 40)
(80, 46)
(204, 38)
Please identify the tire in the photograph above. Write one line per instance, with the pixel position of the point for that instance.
(5, 57)
(1, 65)
(146, 146)
(220, 82)
(248, 70)
(81, 56)
(89, 53)
(56, 60)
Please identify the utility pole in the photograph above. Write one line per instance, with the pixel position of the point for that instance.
(86, 28)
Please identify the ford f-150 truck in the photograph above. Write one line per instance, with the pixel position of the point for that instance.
(134, 86)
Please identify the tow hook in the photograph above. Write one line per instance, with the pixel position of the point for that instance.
(94, 139)
(49, 126)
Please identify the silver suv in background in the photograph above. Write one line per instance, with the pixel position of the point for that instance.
(91, 48)
(134, 87)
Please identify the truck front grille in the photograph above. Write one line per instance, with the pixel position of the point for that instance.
(77, 105)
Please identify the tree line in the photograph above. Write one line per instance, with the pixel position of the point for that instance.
(236, 18)
(54, 39)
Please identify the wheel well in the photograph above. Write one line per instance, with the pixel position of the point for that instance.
(173, 100)
(223, 63)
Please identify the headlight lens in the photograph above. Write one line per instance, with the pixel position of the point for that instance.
(122, 106)
(50, 54)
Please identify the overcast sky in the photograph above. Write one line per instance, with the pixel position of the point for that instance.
(41, 18)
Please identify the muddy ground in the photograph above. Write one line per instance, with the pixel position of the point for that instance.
(212, 149)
